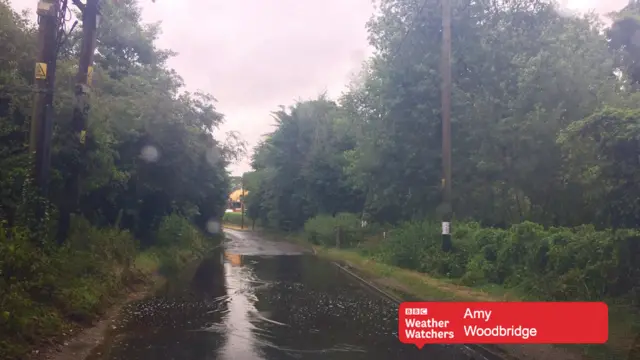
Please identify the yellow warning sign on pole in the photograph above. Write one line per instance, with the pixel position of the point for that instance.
(89, 75)
(41, 71)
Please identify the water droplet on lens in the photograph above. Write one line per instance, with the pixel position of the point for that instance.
(149, 153)
(213, 226)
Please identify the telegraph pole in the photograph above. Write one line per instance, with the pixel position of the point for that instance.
(446, 125)
(45, 69)
(242, 202)
(84, 76)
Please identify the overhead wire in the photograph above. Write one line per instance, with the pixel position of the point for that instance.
(64, 16)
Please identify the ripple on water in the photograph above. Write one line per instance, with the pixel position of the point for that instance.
(286, 317)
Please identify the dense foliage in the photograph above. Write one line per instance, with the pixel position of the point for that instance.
(153, 167)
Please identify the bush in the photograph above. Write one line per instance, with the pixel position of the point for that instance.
(175, 230)
(179, 242)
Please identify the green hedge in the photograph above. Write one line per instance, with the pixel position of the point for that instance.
(553, 264)
(550, 264)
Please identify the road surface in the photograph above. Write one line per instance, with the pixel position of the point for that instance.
(263, 300)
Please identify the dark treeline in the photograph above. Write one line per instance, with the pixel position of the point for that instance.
(152, 165)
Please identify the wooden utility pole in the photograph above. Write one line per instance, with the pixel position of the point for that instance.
(90, 17)
(83, 84)
(446, 125)
(45, 69)
(242, 202)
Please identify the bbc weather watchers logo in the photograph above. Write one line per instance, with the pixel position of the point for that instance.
(416, 311)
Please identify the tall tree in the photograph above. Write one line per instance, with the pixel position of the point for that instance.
(300, 166)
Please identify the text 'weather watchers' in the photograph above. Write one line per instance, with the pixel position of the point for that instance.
(423, 323)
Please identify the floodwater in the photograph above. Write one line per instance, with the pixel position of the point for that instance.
(262, 300)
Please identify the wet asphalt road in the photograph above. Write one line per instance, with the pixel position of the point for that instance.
(261, 300)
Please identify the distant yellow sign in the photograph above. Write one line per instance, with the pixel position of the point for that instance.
(236, 195)
(41, 71)
(89, 75)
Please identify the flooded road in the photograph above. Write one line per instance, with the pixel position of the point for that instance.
(260, 300)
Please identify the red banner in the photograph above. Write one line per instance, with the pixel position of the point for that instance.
(423, 323)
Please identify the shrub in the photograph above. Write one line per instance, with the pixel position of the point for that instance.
(178, 243)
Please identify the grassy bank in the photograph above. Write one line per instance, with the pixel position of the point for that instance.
(404, 282)
(50, 292)
(178, 243)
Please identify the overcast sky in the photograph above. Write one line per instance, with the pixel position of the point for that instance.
(254, 55)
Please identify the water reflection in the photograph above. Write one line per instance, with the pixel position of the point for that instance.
(208, 282)
(234, 259)
(239, 330)
(291, 313)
